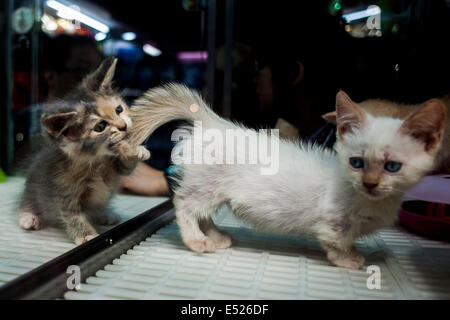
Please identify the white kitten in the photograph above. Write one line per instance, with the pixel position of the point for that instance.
(334, 197)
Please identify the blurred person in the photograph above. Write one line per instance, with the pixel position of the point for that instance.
(67, 60)
(145, 181)
(291, 92)
(149, 177)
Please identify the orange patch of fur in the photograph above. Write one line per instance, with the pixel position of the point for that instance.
(107, 107)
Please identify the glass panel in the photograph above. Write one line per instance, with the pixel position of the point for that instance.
(54, 46)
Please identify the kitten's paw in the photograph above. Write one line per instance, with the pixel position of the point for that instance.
(29, 221)
(202, 245)
(142, 153)
(81, 240)
(358, 258)
(355, 261)
(125, 150)
(222, 239)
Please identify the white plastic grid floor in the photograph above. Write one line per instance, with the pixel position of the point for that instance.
(263, 266)
(22, 251)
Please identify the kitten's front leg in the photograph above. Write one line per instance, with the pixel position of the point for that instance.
(78, 227)
(191, 234)
(341, 252)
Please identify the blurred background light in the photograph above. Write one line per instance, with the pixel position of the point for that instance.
(128, 36)
(48, 23)
(100, 36)
(194, 56)
(151, 50)
(66, 12)
(373, 10)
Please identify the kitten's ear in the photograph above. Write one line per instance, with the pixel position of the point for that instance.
(330, 117)
(426, 124)
(56, 124)
(101, 78)
(348, 115)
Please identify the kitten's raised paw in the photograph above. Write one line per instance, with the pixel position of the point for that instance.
(122, 148)
(81, 240)
(125, 150)
(202, 245)
(142, 153)
(29, 221)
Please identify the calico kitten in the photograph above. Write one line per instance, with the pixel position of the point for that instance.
(386, 108)
(335, 197)
(76, 174)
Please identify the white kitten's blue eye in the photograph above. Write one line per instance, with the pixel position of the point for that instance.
(392, 166)
(356, 162)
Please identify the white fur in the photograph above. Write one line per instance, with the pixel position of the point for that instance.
(315, 191)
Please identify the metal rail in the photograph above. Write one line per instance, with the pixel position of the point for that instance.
(49, 281)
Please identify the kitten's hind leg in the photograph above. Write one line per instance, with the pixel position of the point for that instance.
(191, 234)
(29, 220)
(78, 227)
(222, 239)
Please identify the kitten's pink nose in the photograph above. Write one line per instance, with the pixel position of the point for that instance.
(370, 186)
(123, 127)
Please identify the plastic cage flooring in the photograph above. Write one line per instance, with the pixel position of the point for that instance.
(265, 266)
(21, 251)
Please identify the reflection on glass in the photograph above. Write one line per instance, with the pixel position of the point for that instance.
(55, 45)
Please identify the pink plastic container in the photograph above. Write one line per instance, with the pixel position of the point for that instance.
(413, 215)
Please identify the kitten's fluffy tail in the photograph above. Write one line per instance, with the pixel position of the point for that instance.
(166, 103)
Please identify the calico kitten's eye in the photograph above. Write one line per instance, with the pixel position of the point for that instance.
(119, 109)
(356, 162)
(99, 127)
(392, 166)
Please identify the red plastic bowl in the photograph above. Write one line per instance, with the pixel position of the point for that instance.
(412, 215)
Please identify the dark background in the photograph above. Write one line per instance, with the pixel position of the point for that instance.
(408, 63)
(365, 67)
